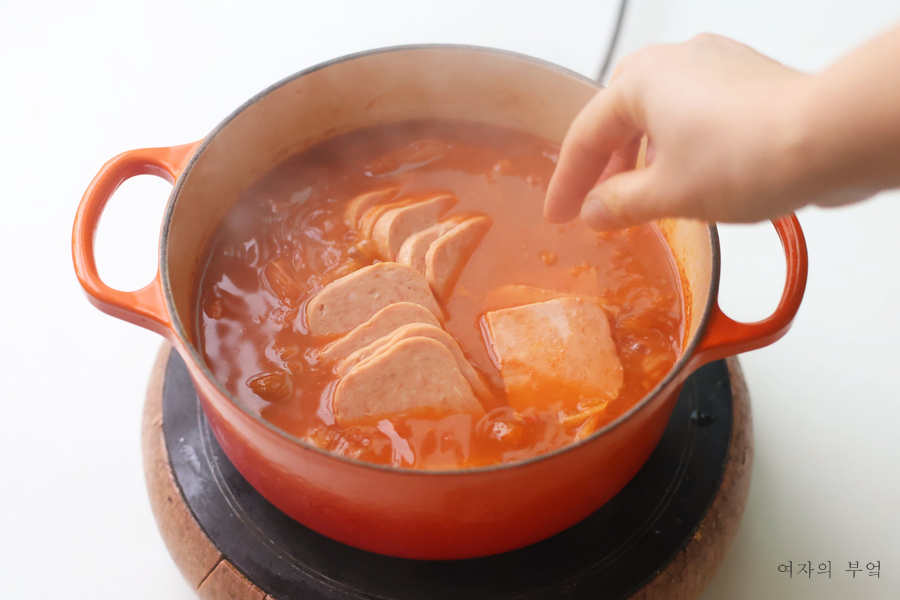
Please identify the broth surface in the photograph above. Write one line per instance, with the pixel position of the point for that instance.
(286, 238)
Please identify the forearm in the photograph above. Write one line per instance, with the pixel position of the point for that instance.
(851, 143)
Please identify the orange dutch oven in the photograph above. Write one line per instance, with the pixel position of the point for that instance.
(403, 512)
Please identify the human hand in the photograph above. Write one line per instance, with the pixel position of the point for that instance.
(726, 140)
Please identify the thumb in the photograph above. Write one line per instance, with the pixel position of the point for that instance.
(624, 200)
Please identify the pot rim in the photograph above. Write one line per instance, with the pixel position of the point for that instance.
(180, 331)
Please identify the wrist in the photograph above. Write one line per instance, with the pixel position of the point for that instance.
(802, 159)
(820, 143)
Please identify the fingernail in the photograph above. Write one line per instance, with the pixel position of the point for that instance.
(597, 216)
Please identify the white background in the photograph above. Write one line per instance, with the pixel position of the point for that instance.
(82, 81)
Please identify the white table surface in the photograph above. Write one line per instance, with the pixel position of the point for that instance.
(84, 81)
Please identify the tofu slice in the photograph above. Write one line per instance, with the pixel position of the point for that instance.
(412, 251)
(415, 375)
(397, 224)
(383, 323)
(358, 205)
(510, 296)
(355, 298)
(418, 330)
(555, 353)
(447, 256)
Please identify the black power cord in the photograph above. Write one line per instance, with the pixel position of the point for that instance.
(613, 41)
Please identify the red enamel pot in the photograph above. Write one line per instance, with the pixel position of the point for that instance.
(401, 512)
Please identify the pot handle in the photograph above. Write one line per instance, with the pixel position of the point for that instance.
(145, 307)
(726, 337)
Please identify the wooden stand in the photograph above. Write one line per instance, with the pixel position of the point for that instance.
(209, 571)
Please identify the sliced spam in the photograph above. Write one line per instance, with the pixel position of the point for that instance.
(447, 256)
(418, 330)
(370, 218)
(412, 251)
(353, 299)
(383, 323)
(415, 375)
(358, 205)
(397, 224)
(553, 350)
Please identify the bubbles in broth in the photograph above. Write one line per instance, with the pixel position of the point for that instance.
(294, 232)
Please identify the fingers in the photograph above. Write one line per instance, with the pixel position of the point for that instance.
(602, 127)
(623, 159)
(624, 200)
